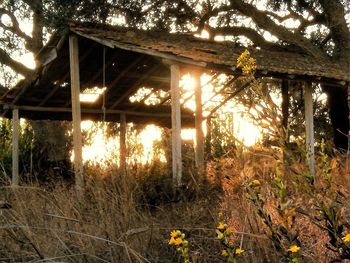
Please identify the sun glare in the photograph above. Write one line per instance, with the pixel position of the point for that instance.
(103, 150)
(91, 95)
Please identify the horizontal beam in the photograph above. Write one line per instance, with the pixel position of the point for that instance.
(96, 111)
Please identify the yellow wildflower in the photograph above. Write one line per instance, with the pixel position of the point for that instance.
(178, 241)
(256, 182)
(245, 54)
(173, 233)
(239, 251)
(252, 61)
(246, 69)
(294, 249)
(221, 226)
(224, 253)
(229, 231)
(346, 238)
(220, 235)
(171, 241)
(230, 244)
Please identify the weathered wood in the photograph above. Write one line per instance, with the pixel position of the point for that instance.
(15, 150)
(309, 126)
(208, 139)
(135, 86)
(285, 103)
(176, 125)
(148, 51)
(199, 150)
(76, 113)
(85, 110)
(348, 150)
(55, 89)
(122, 143)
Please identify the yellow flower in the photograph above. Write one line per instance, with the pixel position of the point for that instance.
(245, 54)
(346, 238)
(239, 251)
(220, 236)
(224, 253)
(252, 61)
(178, 241)
(294, 249)
(221, 226)
(230, 244)
(171, 241)
(173, 233)
(246, 69)
(256, 182)
(229, 231)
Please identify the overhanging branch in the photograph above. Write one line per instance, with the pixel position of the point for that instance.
(15, 65)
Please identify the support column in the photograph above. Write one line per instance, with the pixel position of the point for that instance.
(176, 124)
(309, 125)
(285, 104)
(122, 143)
(199, 150)
(76, 113)
(208, 139)
(15, 139)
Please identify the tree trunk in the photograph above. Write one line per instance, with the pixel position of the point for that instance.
(339, 114)
(50, 137)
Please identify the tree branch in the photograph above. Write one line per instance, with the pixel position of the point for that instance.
(14, 28)
(250, 33)
(15, 65)
(335, 15)
(265, 22)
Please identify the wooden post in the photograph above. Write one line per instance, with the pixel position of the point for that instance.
(15, 138)
(122, 143)
(285, 104)
(76, 113)
(199, 150)
(176, 124)
(348, 150)
(208, 139)
(309, 125)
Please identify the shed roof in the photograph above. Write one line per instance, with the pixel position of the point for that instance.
(125, 59)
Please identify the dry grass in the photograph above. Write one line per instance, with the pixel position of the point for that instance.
(129, 219)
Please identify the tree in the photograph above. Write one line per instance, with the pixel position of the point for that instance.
(319, 28)
(315, 27)
(24, 28)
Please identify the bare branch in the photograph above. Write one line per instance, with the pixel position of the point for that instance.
(265, 22)
(15, 65)
(14, 28)
(250, 33)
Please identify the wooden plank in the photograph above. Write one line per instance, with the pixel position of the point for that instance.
(135, 86)
(285, 103)
(309, 125)
(76, 113)
(131, 47)
(122, 143)
(176, 125)
(15, 150)
(208, 139)
(57, 87)
(199, 148)
(91, 111)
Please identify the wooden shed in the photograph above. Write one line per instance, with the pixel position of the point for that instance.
(121, 60)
